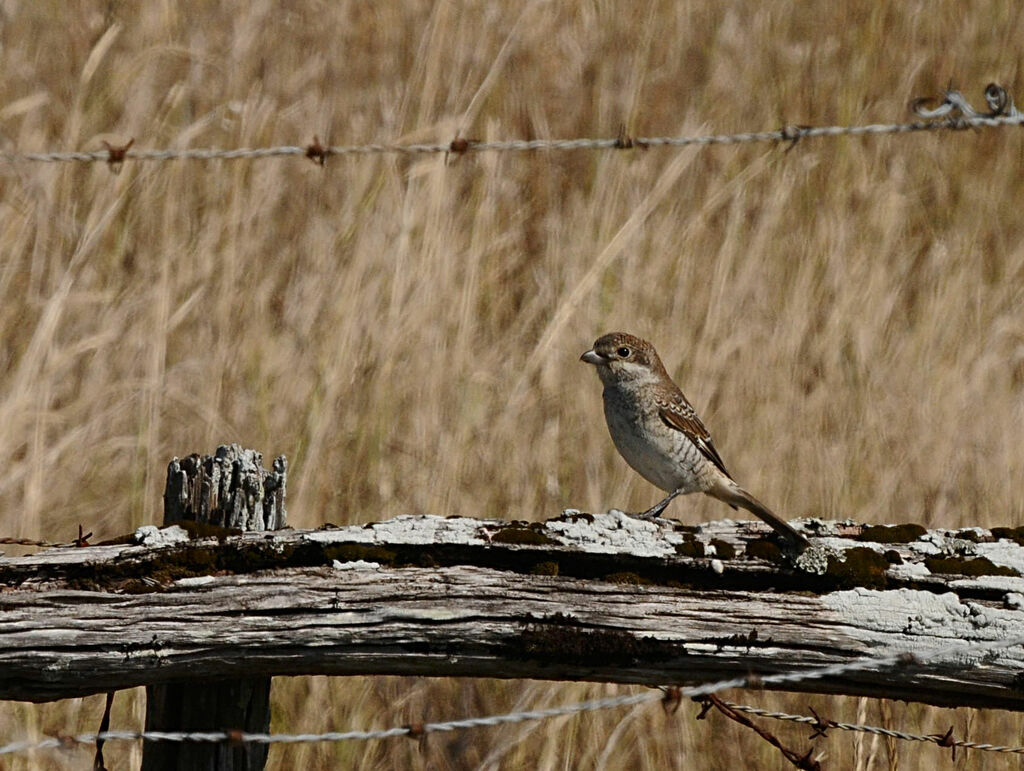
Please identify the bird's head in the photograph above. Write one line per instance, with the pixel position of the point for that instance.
(624, 358)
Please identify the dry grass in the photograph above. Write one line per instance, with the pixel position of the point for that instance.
(846, 315)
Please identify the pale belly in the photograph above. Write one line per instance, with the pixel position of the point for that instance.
(661, 455)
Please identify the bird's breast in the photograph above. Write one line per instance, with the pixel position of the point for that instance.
(660, 454)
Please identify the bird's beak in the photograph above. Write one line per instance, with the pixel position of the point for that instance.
(593, 357)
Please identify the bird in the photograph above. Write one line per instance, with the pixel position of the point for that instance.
(658, 433)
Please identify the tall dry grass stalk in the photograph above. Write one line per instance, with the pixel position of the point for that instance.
(847, 315)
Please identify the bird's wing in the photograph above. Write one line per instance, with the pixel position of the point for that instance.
(681, 416)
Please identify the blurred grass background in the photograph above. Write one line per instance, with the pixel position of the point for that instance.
(846, 315)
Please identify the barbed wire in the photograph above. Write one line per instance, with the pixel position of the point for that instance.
(820, 726)
(82, 540)
(419, 730)
(414, 730)
(952, 113)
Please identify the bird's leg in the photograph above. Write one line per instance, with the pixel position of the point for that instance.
(655, 511)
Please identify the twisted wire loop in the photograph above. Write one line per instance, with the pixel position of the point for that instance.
(951, 112)
(960, 648)
(955, 106)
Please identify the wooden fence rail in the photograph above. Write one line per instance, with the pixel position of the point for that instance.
(580, 597)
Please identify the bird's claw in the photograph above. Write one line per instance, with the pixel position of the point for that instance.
(653, 513)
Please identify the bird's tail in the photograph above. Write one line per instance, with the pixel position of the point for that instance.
(735, 495)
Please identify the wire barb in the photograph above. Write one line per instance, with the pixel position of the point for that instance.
(116, 155)
(98, 763)
(316, 152)
(460, 145)
(804, 762)
(820, 726)
(946, 740)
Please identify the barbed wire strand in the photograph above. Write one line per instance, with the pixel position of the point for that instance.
(972, 649)
(953, 113)
(824, 725)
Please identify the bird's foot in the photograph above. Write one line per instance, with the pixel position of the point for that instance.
(656, 510)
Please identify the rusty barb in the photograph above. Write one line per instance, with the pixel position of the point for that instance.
(625, 142)
(116, 155)
(805, 762)
(83, 538)
(418, 733)
(820, 725)
(316, 152)
(950, 111)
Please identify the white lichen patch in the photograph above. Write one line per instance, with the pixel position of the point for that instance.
(916, 614)
(909, 571)
(411, 529)
(930, 545)
(814, 559)
(1005, 553)
(616, 531)
(192, 581)
(355, 565)
(988, 583)
(153, 536)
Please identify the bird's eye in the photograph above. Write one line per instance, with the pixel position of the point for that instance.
(623, 352)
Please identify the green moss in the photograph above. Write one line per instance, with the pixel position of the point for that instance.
(690, 549)
(976, 566)
(860, 566)
(764, 550)
(549, 568)
(891, 533)
(1015, 534)
(723, 549)
(522, 536)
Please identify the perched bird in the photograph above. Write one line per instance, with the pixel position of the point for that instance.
(658, 432)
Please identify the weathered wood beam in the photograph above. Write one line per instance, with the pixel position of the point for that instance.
(593, 597)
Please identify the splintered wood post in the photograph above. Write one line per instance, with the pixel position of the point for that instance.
(229, 491)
